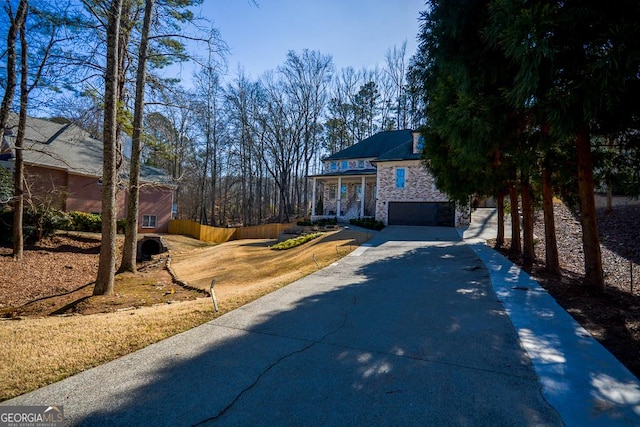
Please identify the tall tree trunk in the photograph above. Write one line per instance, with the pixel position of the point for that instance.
(214, 176)
(516, 248)
(500, 210)
(609, 196)
(251, 196)
(609, 182)
(528, 254)
(551, 245)
(107, 261)
(18, 172)
(17, 25)
(17, 22)
(131, 232)
(203, 191)
(592, 257)
(260, 193)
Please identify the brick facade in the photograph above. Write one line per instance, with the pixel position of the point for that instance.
(71, 192)
(419, 186)
(376, 159)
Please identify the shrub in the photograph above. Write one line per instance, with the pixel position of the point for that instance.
(326, 221)
(6, 186)
(369, 223)
(37, 223)
(6, 225)
(121, 225)
(319, 223)
(296, 241)
(83, 221)
(46, 221)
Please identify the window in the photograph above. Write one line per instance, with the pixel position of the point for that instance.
(343, 191)
(358, 192)
(360, 164)
(149, 221)
(418, 143)
(400, 175)
(345, 165)
(334, 166)
(332, 192)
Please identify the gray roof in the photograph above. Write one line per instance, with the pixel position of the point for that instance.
(376, 146)
(69, 148)
(401, 152)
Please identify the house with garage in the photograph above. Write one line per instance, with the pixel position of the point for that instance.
(383, 177)
(63, 169)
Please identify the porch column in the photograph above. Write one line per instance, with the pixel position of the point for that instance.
(364, 192)
(339, 207)
(313, 199)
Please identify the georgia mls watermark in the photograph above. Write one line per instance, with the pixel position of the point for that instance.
(31, 416)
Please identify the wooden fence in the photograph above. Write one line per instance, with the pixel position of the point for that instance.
(207, 233)
(265, 231)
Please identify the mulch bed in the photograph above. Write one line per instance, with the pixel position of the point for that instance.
(56, 277)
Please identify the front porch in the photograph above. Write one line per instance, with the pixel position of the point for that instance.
(343, 197)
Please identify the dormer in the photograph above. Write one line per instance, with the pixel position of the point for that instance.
(345, 165)
(418, 142)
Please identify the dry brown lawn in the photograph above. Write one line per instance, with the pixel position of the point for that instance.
(249, 266)
(41, 350)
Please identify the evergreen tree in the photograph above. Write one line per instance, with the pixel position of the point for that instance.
(471, 133)
(577, 62)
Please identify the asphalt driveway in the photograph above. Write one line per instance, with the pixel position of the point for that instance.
(408, 330)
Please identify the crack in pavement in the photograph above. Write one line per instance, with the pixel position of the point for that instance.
(273, 365)
(257, 380)
(428, 360)
(322, 340)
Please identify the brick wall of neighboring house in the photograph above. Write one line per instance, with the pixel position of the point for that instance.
(85, 195)
(155, 201)
(45, 186)
(70, 192)
(419, 187)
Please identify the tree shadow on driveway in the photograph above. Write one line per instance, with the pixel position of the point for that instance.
(408, 331)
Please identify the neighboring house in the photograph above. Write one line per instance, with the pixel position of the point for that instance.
(383, 177)
(63, 169)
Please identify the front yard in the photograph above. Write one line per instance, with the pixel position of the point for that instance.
(53, 328)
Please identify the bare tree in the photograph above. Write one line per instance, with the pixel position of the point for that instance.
(307, 77)
(281, 137)
(397, 70)
(207, 99)
(43, 28)
(240, 100)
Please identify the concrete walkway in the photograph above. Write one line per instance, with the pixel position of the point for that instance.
(484, 225)
(411, 329)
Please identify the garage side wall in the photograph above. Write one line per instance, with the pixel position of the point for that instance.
(419, 186)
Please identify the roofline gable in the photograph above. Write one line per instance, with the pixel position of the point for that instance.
(374, 146)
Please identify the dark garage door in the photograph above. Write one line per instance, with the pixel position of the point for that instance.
(440, 214)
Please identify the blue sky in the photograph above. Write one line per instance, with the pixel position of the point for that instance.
(355, 33)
